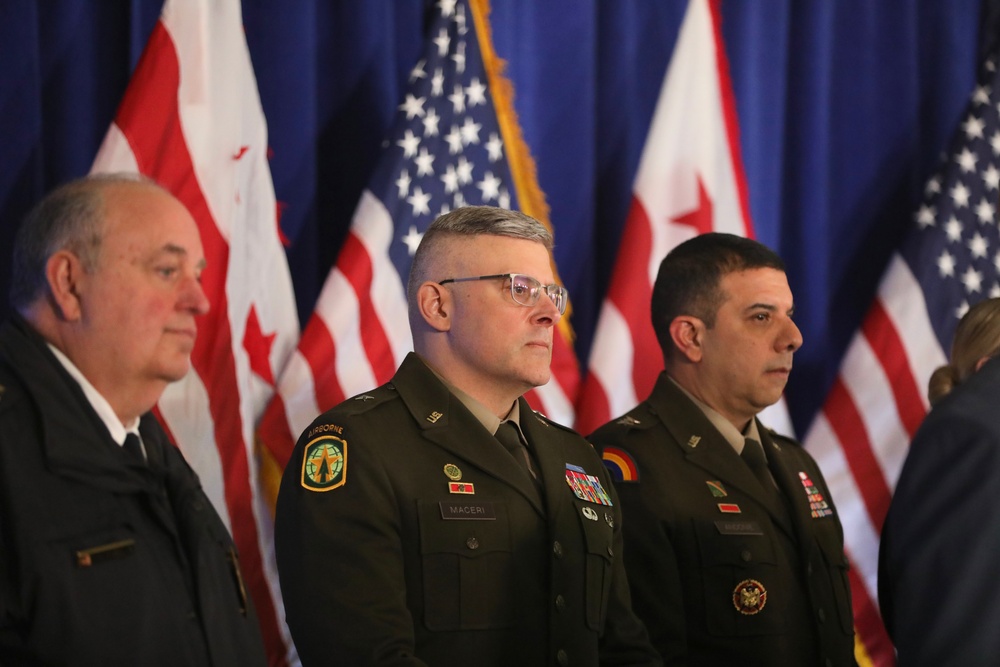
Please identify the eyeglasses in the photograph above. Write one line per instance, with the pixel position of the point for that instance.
(525, 290)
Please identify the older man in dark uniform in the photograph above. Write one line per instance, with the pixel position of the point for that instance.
(437, 520)
(110, 553)
(733, 546)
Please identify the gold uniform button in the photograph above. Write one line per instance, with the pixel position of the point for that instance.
(472, 543)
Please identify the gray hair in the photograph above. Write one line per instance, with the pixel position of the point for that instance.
(71, 217)
(470, 221)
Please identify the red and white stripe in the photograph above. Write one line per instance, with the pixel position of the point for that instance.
(191, 119)
(861, 437)
(690, 181)
(358, 333)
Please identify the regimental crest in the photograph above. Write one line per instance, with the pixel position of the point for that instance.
(324, 464)
(749, 597)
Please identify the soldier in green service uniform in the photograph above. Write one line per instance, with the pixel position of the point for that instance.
(733, 546)
(438, 520)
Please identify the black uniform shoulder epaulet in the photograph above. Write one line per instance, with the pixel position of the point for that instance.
(782, 440)
(638, 418)
(362, 403)
(548, 422)
(330, 422)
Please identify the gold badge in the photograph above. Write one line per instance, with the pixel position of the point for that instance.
(452, 472)
(324, 464)
(749, 597)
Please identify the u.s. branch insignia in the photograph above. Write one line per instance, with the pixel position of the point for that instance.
(749, 597)
(324, 464)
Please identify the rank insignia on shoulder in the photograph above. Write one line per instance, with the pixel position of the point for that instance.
(628, 420)
(324, 464)
(620, 464)
(749, 597)
(586, 487)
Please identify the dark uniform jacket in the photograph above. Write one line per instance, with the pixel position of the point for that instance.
(407, 535)
(939, 559)
(104, 561)
(720, 574)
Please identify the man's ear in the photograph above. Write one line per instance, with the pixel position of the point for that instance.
(64, 273)
(686, 332)
(434, 303)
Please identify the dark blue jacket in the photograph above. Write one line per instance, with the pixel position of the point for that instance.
(105, 561)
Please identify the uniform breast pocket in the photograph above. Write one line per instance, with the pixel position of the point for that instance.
(467, 565)
(744, 590)
(76, 569)
(599, 538)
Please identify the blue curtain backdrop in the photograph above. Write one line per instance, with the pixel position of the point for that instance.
(844, 108)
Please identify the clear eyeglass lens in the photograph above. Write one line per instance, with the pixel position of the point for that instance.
(526, 291)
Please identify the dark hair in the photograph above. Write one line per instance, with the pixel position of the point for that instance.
(70, 218)
(688, 281)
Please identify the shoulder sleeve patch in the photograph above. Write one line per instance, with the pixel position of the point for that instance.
(620, 464)
(324, 463)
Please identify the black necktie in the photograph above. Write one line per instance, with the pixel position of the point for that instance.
(134, 447)
(508, 436)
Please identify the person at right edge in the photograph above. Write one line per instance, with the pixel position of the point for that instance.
(732, 545)
(938, 556)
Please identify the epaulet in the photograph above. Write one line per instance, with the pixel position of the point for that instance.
(639, 418)
(361, 403)
(782, 440)
(329, 423)
(548, 422)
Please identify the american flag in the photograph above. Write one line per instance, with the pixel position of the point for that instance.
(454, 142)
(690, 181)
(191, 119)
(948, 262)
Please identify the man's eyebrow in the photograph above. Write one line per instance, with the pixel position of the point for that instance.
(761, 306)
(770, 307)
(180, 251)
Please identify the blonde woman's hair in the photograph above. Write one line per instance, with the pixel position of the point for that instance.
(977, 337)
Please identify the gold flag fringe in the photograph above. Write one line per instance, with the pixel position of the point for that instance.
(522, 166)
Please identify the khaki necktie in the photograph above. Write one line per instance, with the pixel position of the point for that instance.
(511, 440)
(753, 454)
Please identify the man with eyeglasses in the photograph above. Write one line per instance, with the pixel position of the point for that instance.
(438, 520)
